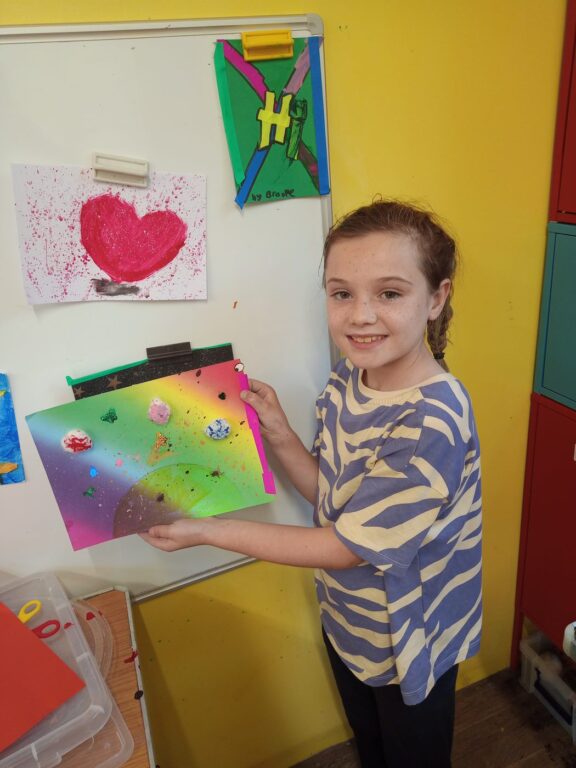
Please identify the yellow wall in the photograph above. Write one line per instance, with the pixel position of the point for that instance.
(451, 103)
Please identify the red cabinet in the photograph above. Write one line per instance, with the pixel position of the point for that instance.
(546, 588)
(546, 585)
(563, 188)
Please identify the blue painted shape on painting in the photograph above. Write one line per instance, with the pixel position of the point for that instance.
(10, 453)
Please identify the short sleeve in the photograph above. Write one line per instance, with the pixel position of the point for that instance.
(414, 476)
(317, 443)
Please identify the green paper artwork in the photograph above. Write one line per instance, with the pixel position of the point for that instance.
(273, 115)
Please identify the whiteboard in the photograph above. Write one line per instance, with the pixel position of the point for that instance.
(148, 91)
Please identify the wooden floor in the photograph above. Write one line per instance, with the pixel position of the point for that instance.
(498, 725)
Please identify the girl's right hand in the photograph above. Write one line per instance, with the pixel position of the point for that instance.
(274, 425)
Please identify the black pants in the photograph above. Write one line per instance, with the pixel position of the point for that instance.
(391, 734)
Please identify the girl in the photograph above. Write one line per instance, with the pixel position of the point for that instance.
(394, 476)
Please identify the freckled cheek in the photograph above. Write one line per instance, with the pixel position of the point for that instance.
(336, 323)
(335, 313)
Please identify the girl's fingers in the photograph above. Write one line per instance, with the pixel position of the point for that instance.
(258, 386)
(160, 531)
(158, 543)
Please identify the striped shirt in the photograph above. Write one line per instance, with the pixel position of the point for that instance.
(399, 479)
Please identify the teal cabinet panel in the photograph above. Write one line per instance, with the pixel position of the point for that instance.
(556, 357)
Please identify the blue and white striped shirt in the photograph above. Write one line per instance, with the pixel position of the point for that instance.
(399, 478)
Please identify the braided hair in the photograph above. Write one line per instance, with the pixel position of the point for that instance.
(437, 250)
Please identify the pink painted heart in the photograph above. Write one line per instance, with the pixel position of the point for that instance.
(126, 246)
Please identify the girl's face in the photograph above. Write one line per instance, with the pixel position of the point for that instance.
(379, 304)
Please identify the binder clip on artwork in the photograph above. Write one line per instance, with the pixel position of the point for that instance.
(117, 169)
(267, 44)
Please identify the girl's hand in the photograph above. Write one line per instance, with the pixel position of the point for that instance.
(273, 422)
(178, 535)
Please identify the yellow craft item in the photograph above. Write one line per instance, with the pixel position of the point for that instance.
(7, 466)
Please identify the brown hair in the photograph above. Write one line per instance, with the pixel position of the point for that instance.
(437, 250)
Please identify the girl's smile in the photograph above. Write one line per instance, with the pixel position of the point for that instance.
(379, 303)
(363, 342)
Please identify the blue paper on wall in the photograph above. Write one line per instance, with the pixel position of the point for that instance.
(11, 469)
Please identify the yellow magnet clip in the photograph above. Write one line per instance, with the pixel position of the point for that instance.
(267, 44)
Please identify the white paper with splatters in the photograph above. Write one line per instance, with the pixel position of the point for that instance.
(56, 266)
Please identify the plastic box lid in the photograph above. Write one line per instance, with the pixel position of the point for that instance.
(112, 746)
(84, 714)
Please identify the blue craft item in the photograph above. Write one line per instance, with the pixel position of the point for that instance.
(218, 429)
(11, 469)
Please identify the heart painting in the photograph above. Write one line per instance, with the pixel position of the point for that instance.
(125, 246)
(82, 240)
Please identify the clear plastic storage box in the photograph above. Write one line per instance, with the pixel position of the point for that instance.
(112, 746)
(544, 675)
(86, 713)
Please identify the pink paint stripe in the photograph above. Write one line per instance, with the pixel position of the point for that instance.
(252, 75)
(301, 69)
(254, 424)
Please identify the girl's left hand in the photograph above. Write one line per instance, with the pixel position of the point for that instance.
(178, 535)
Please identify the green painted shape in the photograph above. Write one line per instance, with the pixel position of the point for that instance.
(555, 374)
(192, 489)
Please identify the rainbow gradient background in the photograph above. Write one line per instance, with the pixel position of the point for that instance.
(90, 486)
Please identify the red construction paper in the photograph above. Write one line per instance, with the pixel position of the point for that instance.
(34, 681)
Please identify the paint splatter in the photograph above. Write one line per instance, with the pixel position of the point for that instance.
(160, 440)
(133, 656)
(160, 497)
(94, 472)
(89, 491)
(222, 395)
(90, 615)
(159, 412)
(234, 305)
(218, 429)
(160, 449)
(138, 695)
(76, 441)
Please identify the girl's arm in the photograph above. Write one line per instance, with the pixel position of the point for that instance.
(284, 544)
(298, 463)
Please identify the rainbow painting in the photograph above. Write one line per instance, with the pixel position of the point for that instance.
(184, 445)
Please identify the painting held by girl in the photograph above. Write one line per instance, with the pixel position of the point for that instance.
(394, 477)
